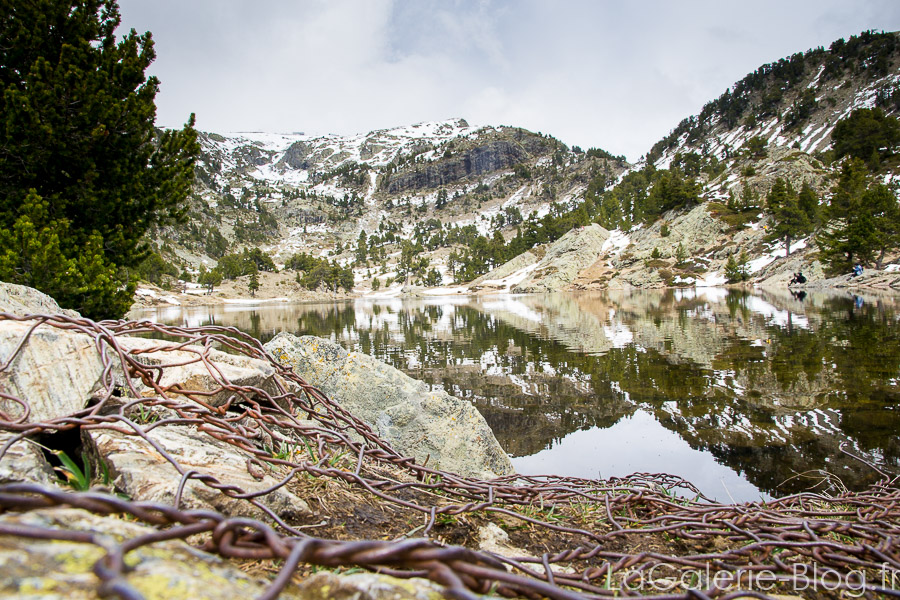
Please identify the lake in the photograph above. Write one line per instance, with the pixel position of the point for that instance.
(748, 394)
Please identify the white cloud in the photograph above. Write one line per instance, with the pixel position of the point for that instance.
(614, 75)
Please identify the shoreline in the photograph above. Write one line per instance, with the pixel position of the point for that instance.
(149, 296)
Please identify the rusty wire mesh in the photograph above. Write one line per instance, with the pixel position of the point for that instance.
(818, 544)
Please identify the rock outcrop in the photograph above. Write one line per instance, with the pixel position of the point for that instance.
(509, 273)
(297, 156)
(23, 461)
(492, 156)
(565, 259)
(433, 426)
(56, 569)
(56, 370)
(193, 374)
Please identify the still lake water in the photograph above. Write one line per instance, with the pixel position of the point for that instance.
(748, 395)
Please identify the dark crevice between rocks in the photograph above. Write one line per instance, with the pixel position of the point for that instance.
(68, 442)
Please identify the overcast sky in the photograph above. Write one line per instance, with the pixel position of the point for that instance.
(616, 75)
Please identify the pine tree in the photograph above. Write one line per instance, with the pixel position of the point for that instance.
(209, 279)
(732, 275)
(34, 253)
(362, 248)
(791, 221)
(253, 284)
(749, 197)
(864, 221)
(77, 137)
(881, 203)
(680, 254)
(808, 201)
(441, 201)
(737, 270)
(867, 134)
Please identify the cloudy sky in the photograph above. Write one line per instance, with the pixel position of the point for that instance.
(594, 73)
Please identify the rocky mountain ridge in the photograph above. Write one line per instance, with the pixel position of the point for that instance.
(775, 124)
(795, 101)
(297, 193)
(439, 186)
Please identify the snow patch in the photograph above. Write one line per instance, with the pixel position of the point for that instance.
(250, 301)
(617, 239)
(513, 279)
(712, 280)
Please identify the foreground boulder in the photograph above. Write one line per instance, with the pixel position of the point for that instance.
(55, 371)
(23, 461)
(237, 369)
(60, 569)
(171, 569)
(58, 370)
(432, 426)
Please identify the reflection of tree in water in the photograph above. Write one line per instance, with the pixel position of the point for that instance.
(867, 362)
(795, 352)
(848, 363)
(255, 329)
(337, 320)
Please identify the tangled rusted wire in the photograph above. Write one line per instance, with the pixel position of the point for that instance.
(627, 537)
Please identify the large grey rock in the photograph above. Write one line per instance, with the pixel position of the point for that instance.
(472, 162)
(23, 300)
(237, 369)
(297, 156)
(695, 230)
(54, 372)
(565, 259)
(502, 277)
(430, 425)
(139, 470)
(57, 370)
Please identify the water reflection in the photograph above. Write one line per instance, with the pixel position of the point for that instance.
(767, 386)
(637, 444)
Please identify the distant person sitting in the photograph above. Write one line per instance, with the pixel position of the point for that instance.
(798, 279)
(857, 270)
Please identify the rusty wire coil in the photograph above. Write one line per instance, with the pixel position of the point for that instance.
(851, 538)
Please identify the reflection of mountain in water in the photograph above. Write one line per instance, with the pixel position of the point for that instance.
(769, 385)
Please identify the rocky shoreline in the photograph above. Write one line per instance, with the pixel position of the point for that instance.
(61, 368)
(144, 461)
(522, 275)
